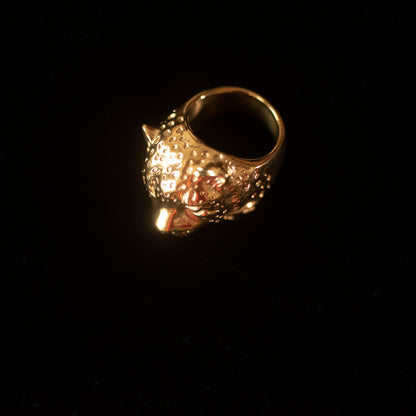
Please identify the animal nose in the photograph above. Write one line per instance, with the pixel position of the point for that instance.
(164, 218)
(176, 219)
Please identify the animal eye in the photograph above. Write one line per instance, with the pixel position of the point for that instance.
(214, 170)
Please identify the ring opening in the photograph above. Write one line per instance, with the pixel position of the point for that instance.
(235, 123)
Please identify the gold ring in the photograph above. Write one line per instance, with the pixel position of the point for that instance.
(191, 183)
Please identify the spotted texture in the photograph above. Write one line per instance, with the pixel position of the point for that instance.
(193, 183)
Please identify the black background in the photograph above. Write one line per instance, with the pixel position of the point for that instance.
(305, 306)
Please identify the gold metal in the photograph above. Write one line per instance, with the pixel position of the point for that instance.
(191, 183)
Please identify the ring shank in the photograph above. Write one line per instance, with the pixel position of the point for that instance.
(216, 100)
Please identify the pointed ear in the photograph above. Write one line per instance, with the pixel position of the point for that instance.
(150, 133)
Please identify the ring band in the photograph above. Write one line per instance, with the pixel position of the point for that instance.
(191, 183)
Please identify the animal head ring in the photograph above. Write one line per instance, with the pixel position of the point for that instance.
(191, 183)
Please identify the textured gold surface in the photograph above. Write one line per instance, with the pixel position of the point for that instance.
(191, 183)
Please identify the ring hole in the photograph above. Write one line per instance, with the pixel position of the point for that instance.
(235, 124)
